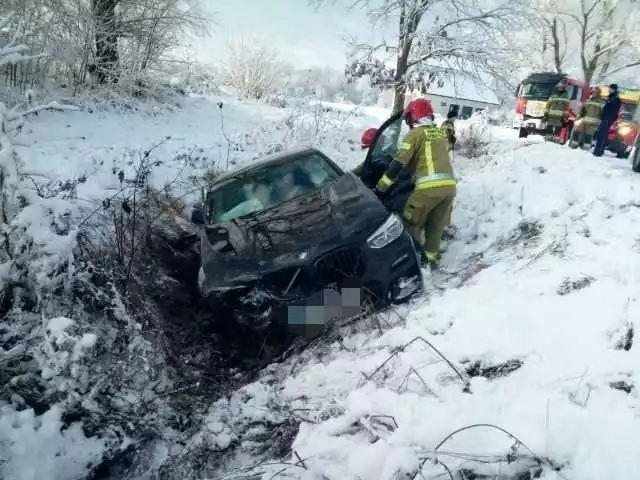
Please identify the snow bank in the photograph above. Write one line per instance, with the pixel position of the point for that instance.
(34, 447)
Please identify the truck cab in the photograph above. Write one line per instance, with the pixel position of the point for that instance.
(531, 99)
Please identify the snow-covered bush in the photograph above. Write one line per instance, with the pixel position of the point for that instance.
(100, 44)
(500, 116)
(202, 79)
(76, 368)
(473, 137)
(254, 68)
(63, 450)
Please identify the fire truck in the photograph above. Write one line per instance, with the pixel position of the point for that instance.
(531, 99)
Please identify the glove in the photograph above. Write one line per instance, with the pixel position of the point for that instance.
(381, 189)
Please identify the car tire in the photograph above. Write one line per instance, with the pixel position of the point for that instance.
(523, 133)
(635, 157)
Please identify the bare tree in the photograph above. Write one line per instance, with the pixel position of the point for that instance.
(153, 28)
(546, 41)
(253, 67)
(608, 29)
(106, 37)
(598, 36)
(442, 32)
(112, 39)
(557, 41)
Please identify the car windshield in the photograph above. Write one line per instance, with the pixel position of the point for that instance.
(537, 91)
(263, 188)
(628, 111)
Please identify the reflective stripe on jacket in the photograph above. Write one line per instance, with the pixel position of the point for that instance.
(557, 107)
(425, 152)
(591, 112)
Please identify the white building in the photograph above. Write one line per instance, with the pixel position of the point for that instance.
(456, 91)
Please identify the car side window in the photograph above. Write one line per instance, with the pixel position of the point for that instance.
(389, 139)
(209, 208)
(574, 92)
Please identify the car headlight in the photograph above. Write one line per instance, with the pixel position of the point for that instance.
(389, 231)
(624, 131)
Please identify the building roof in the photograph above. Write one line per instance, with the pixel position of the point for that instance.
(462, 87)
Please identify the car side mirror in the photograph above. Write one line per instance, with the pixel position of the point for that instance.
(197, 216)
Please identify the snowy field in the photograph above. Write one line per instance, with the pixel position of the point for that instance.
(520, 356)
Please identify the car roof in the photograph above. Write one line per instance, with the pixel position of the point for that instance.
(272, 160)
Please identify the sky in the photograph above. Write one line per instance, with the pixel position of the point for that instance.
(303, 36)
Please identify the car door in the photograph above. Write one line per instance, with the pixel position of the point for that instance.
(380, 155)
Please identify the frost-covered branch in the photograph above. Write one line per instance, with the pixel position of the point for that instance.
(254, 68)
(10, 52)
(597, 37)
(10, 121)
(97, 41)
(436, 35)
(13, 51)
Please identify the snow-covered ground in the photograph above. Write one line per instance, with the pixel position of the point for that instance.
(529, 327)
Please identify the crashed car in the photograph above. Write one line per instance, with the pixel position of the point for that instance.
(289, 243)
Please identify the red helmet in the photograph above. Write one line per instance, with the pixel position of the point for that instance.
(367, 137)
(418, 109)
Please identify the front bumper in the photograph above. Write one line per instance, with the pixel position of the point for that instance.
(390, 275)
(321, 290)
(532, 124)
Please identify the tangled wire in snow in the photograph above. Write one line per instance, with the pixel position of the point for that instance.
(517, 462)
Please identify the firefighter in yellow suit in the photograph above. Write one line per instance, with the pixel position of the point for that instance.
(588, 121)
(556, 113)
(425, 152)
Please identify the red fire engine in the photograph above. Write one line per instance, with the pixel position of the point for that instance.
(532, 96)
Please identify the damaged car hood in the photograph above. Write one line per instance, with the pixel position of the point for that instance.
(341, 212)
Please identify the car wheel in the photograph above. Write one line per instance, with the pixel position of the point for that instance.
(523, 133)
(635, 159)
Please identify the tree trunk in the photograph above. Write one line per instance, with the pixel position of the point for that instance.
(104, 17)
(557, 57)
(399, 80)
(410, 16)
